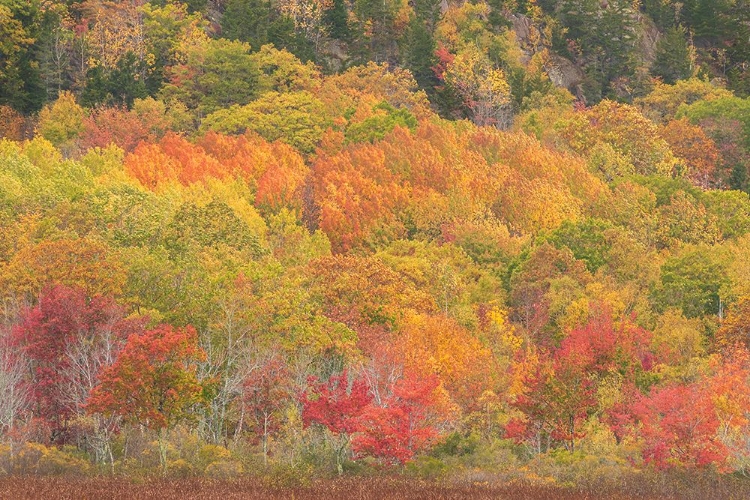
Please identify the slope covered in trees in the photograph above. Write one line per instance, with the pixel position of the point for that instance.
(220, 255)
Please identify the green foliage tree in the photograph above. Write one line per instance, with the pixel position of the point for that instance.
(731, 210)
(281, 71)
(664, 101)
(691, 281)
(283, 34)
(215, 74)
(62, 122)
(165, 27)
(586, 239)
(215, 225)
(725, 108)
(385, 119)
(626, 130)
(297, 118)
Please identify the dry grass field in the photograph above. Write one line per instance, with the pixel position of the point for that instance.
(62, 488)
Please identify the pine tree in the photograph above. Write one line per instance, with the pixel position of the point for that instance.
(20, 82)
(247, 21)
(336, 19)
(419, 54)
(672, 57)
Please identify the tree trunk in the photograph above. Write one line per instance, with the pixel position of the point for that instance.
(163, 450)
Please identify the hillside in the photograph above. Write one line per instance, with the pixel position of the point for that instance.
(304, 239)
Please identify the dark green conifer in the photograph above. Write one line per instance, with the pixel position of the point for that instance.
(337, 20)
(247, 21)
(672, 56)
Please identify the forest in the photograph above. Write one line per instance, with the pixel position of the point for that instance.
(484, 242)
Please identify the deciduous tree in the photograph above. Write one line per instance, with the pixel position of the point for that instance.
(153, 381)
(68, 338)
(338, 404)
(400, 426)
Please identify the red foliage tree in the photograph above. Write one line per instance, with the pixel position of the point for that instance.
(601, 346)
(114, 126)
(691, 425)
(679, 427)
(265, 393)
(67, 338)
(560, 390)
(556, 400)
(400, 427)
(337, 405)
(391, 427)
(445, 58)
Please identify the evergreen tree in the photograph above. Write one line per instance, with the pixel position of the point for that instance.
(703, 17)
(20, 82)
(283, 35)
(96, 91)
(378, 15)
(427, 11)
(606, 34)
(336, 19)
(121, 85)
(125, 81)
(662, 13)
(419, 54)
(247, 21)
(738, 178)
(672, 57)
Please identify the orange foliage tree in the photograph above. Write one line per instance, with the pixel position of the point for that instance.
(355, 191)
(437, 345)
(735, 329)
(275, 171)
(12, 123)
(147, 121)
(153, 382)
(691, 144)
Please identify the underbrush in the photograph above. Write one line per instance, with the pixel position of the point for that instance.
(461, 466)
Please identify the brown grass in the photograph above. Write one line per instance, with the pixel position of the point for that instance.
(63, 488)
